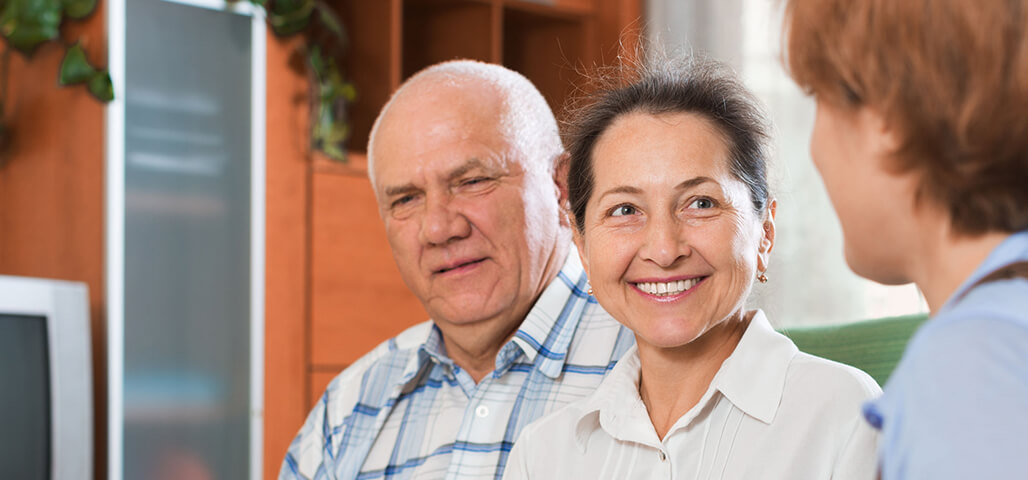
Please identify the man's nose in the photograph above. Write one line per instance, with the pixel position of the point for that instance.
(664, 242)
(443, 222)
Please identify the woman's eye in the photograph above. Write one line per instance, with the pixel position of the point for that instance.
(702, 203)
(622, 210)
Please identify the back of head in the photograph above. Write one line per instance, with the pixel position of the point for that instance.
(950, 79)
(523, 116)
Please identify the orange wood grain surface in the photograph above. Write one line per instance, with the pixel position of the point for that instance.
(287, 273)
(358, 298)
(320, 377)
(438, 31)
(372, 59)
(51, 189)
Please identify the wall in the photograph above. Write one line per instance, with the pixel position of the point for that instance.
(51, 187)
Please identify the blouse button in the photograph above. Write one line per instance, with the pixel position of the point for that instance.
(662, 455)
(482, 411)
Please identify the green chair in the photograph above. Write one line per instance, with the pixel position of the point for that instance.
(874, 346)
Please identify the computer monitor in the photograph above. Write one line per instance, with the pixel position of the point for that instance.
(46, 382)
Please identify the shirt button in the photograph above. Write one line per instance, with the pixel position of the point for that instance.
(662, 455)
(482, 411)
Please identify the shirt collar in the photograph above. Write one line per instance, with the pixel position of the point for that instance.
(546, 333)
(544, 336)
(1011, 249)
(752, 378)
(616, 407)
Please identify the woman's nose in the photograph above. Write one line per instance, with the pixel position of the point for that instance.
(664, 242)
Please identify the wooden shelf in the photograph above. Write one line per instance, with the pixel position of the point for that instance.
(566, 9)
(547, 49)
(546, 40)
(436, 31)
(372, 59)
(356, 164)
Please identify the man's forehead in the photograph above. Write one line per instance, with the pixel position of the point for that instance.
(441, 133)
(414, 172)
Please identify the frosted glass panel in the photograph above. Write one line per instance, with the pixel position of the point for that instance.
(187, 243)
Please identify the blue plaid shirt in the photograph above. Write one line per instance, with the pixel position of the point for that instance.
(405, 410)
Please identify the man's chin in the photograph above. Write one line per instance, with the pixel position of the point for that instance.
(470, 312)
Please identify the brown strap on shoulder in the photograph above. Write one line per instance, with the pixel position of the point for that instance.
(1014, 270)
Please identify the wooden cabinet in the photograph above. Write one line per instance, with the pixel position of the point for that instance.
(333, 289)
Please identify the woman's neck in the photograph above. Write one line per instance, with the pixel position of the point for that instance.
(673, 380)
(945, 260)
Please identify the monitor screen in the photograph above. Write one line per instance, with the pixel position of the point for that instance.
(24, 398)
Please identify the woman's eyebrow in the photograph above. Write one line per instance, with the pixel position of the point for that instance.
(692, 182)
(620, 189)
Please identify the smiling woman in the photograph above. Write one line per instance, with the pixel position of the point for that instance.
(667, 186)
(683, 219)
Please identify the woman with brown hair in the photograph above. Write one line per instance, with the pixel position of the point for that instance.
(674, 222)
(921, 139)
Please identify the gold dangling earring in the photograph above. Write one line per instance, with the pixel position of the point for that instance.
(762, 278)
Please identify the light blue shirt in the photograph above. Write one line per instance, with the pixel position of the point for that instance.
(957, 405)
(406, 411)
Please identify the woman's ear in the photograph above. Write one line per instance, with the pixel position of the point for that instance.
(560, 179)
(579, 240)
(767, 237)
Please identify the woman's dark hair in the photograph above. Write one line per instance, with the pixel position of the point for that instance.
(660, 86)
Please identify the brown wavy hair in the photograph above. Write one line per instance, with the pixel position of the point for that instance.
(949, 77)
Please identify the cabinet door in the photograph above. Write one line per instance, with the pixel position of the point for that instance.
(184, 370)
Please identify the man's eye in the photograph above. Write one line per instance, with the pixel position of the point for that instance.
(622, 210)
(474, 181)
(399, 202)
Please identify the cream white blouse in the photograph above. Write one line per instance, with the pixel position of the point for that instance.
(771, 412)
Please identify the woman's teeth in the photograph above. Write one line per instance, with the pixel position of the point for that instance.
(661, 289)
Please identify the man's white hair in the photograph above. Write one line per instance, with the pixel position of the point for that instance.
(527, 120)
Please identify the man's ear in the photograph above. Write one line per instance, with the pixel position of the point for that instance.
(560, 179)
(767, 237)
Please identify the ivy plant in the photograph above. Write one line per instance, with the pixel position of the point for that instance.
(27, 24)
(325, 42)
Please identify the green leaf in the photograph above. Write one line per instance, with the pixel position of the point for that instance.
(101, 87)
(349, 92)
(27, 23)
(290, 16)
(331, 22)
(78, 8)
(75, 68)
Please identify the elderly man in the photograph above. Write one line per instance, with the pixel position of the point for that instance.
(462, 160)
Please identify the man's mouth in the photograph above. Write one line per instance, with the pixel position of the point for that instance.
(459, 265)
(663, 289)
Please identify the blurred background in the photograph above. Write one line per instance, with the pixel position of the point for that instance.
(809, 283)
